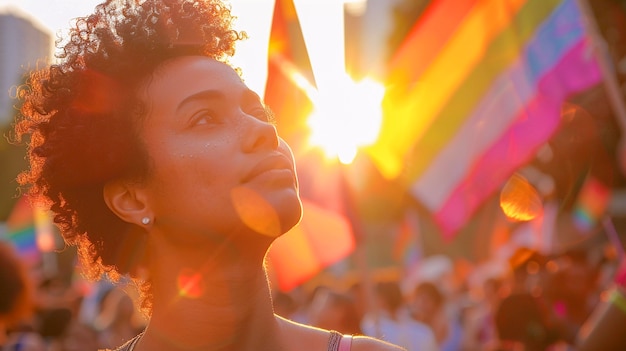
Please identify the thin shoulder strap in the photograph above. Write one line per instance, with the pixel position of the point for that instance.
(130, 345)
(338, 342)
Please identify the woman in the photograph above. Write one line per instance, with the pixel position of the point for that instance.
(161, 164)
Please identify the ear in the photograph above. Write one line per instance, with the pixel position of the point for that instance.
(127, 200)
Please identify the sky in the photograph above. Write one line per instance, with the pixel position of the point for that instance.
(254, 16)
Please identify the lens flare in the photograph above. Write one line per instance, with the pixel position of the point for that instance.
(519, 200)
(189, 284)
(255, 212)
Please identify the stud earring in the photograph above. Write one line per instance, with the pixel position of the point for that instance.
(145, 220)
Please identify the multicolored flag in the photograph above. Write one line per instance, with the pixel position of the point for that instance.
(473, 92)
(591, 205)
(21, 230)
(30, 230)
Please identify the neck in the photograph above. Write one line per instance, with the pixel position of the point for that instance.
(210, 300)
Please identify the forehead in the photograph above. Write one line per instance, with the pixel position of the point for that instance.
(181, 77)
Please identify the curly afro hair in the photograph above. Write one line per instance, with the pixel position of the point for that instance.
(81, 115)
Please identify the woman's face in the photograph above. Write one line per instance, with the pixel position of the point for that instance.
(217, 164)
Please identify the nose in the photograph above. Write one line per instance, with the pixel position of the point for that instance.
(259, 134)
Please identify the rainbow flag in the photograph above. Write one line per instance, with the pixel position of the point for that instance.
(475, 89)
(21, 230)
(591, 205)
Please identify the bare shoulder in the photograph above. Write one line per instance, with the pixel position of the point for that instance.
(301, 337)
(305, 337)
(365, 343)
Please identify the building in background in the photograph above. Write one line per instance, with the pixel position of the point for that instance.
(23, 43)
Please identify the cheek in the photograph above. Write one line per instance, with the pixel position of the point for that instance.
(188, 183)
(180, 161)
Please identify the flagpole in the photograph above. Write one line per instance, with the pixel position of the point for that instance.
(615, 99)
(606, 68)
(614, 239)
(360, 251)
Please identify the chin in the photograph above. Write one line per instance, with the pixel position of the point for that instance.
(290, 216)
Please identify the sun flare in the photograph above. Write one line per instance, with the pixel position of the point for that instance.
(346, 118)
(519, 199)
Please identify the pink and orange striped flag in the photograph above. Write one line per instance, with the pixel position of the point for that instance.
(325, 235)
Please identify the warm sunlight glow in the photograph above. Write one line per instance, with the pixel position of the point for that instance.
(346, 117)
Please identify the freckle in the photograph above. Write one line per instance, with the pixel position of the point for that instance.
(209, 146)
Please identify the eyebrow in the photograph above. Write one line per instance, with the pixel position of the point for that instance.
(200, 96)
(247, 96)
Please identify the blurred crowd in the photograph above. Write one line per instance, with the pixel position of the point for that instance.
(39, 312)
(529, 302)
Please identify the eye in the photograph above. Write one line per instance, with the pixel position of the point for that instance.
(203, 117)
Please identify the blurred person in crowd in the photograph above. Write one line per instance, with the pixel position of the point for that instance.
(335, 311)
(605, 329)
(357, 292)
(117, 321)
(391, 321)
(284, 304)
(427, 307)
(81, 334)
(456, 304)
(80, 337)
(56, 304)
(159, 163)
(523, 319)
(480, 331)
(293, 305)
(574, 289)
(446, 274)
(17, 304)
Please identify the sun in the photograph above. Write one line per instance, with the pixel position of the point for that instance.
(347, 114)
(346, 117)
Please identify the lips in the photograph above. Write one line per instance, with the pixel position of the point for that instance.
(275, 163)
